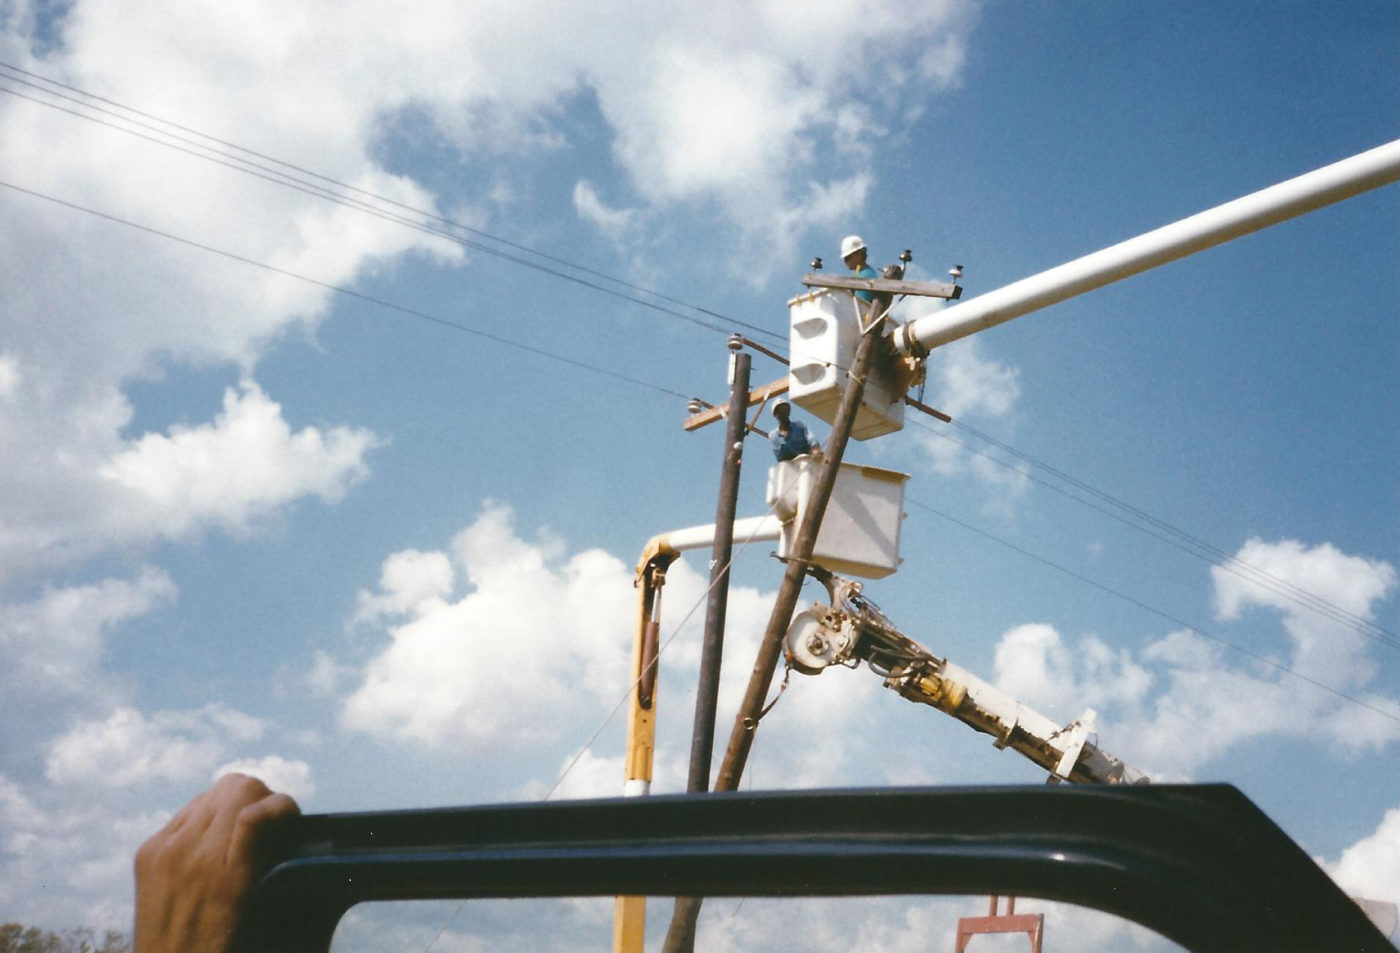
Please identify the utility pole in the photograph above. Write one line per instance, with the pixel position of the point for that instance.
(680, 936)
(702, 739)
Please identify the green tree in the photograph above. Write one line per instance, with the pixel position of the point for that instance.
(18, 938)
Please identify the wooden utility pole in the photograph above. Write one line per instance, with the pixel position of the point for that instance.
(702, 739)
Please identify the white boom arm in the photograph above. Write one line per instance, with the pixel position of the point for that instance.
(1360, 173)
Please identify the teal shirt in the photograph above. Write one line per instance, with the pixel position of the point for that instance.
(865, 271)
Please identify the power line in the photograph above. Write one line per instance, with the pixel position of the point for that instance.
(1212, 553)
(278, 177)
(349, 293)
(1157, 612)
(1159, 529)
(1155, 527)
(344, 185)
(287, 179)
(1177, 538)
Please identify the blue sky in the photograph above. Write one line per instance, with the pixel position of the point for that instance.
(344, 541)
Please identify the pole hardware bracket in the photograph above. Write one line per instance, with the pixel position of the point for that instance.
(922, 289)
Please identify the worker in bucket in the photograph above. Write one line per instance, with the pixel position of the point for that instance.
(791, 438)
(870, 304)
(853, 253)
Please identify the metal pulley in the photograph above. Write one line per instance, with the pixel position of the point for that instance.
(817, 639)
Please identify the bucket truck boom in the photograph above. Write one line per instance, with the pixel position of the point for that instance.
(852, 630)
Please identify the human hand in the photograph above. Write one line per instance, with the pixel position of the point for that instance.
(193, 877)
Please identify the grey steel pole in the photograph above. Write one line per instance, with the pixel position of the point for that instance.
(680, 936)
(702, 738)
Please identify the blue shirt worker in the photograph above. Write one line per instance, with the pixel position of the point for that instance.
(853, 254)
(791, 437)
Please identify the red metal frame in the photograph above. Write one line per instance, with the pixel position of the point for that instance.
(1032, 924)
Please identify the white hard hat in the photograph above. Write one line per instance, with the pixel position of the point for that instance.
(850, 245)
(781, 402)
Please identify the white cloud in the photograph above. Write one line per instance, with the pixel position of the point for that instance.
(235, 470)
(1184, 700)
(278, 773)
(535, 652)
(128, 748)
(84, 490)
(826, 205)
(532, 627)
(18, 814)
(775, 140)
(53, 645)
(1369, 871)
(1033, 664)
(756, 109)
(767, 118)
(1181, 702)
(1331, 580)
(78, 851)
(582, 775)
(410, 579)
(717, 118)
(9, 375)
(1371, 867)
(100, 305)
(1211, 704)
(971, 387)
(729, 102)
(968, 384)
(943, 62)
(66, 844)
(613, 223)
(326, 674)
